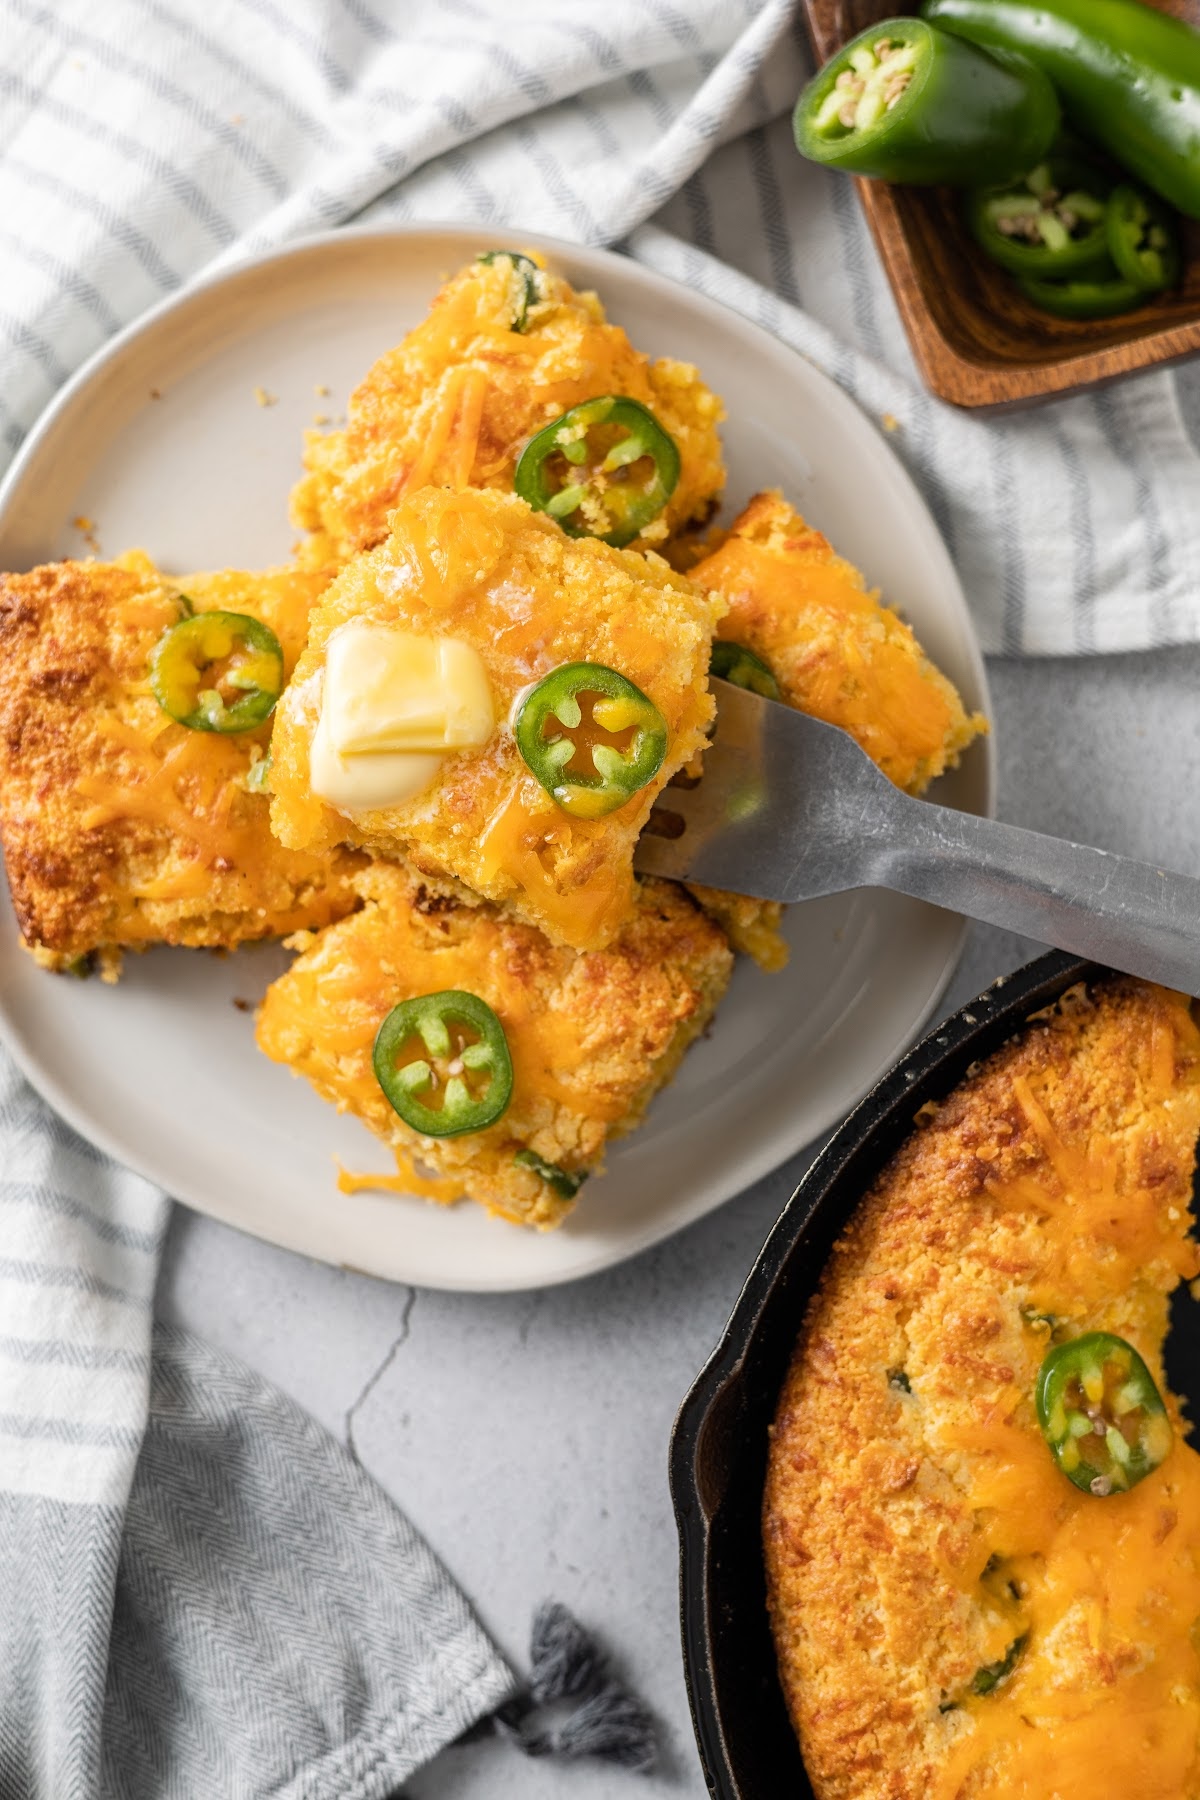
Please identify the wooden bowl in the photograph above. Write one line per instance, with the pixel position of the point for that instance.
(977, 341)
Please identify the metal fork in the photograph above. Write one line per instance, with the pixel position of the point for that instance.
(789, 808)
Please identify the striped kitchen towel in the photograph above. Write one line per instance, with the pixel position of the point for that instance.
(200, 1593)
(180, 1551)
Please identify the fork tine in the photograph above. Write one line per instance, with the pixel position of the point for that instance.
(787, 807)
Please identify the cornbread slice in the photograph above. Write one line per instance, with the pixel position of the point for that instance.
(836, 653)
(456, 402)
(954, 1619)
(482, 568)
(592, 1037)
(121, 828)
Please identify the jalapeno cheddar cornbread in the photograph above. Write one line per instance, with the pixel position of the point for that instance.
(801, 625)
(982, 1511)
(134, 725)
(500, 1061)
(498, 702)
(517, 382)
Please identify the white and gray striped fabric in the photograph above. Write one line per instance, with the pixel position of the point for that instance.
(142, 143)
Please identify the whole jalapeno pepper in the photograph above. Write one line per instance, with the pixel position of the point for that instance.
(1142, 238)
(217, 671)
(443, 1063)
(733, 662)
(1127, 75)
(590, 765)
(1101, 1413)
(526, 283)
(901, 101)
(1052, 223)
(604, 469)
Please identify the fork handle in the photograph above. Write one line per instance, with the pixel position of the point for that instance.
(1109, 908)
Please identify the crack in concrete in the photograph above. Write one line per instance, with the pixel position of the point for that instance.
(377, 1375)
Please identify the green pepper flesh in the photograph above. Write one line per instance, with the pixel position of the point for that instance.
(217, 671)
(1127, 75)
(527, 283)
(447, 1047)
(1101, 1413)
(902, 102)
(604, 469)
(1052, 223)
(733, 662)
(1142, 239)
(1102, 297)
(559, 1181)
(619, 748)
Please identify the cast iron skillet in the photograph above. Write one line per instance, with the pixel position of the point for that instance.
(719, 1444)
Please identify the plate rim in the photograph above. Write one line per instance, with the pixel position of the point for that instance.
(723, 318)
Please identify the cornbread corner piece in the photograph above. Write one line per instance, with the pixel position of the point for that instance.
(484, 569)
(952, 1616)
(456, 402)
(592, 1036)
(119, 827)
(837, 653)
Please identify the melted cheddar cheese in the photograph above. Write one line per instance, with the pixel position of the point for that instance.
(918, 1531)
(120, 827)
(482, 568)
(592, 1037)
(456, 403)
(836, 651)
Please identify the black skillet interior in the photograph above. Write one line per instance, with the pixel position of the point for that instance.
(718, 1448)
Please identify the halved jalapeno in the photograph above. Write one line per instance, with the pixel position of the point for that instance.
(443, 1063)
(591, 737)
(605, 469)
(526, 283)
(217, 671)
(733, 662)
(1101, 1414)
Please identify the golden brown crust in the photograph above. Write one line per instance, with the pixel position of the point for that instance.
(119, 827)
(456, 402)
(915, 1525)
(593, 1037)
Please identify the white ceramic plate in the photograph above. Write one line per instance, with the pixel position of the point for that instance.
(163, 444)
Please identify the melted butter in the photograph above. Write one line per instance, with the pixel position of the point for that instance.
(394, 703)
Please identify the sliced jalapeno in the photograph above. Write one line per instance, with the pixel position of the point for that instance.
(1050, 223)
(733, 662)
(1142, 237)
(1101, 1413)
(986, 1679)
(605, 469)
(560, 1181)
(443, 1063)
(217, 671)
(591, 737)
(1097, 297)
(526, 287)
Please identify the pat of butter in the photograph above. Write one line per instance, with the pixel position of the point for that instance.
(394, 703)
(387, 689)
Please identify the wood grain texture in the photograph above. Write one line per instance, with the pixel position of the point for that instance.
(977, 341)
